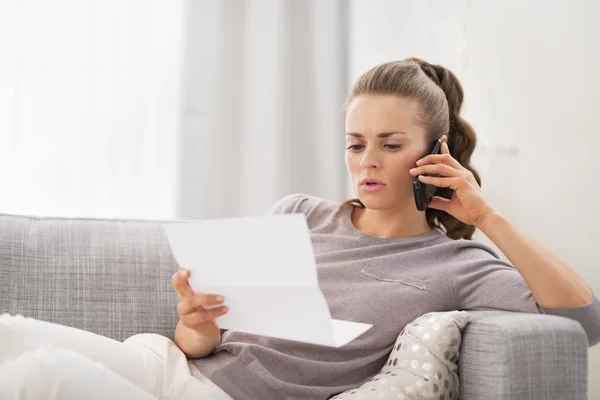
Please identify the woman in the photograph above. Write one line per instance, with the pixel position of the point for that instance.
(380, 261)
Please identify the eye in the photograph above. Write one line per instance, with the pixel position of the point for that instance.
(355, 147)
(393, 146)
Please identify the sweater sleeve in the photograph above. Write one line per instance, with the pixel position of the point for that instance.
(291, 204)
(483, 281)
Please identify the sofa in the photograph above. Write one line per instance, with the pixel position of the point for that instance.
(112, 277)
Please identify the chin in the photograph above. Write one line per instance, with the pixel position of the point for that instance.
(383, 201)
(376, 202)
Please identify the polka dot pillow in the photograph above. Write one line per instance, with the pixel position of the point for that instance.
(423, 362)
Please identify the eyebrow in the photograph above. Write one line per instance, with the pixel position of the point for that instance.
(381, 135)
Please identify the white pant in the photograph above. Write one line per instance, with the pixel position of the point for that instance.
(41, 360)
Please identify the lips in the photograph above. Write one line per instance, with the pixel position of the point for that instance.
(371, 185)
(371, 182)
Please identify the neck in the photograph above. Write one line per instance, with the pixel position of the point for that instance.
(390, 224)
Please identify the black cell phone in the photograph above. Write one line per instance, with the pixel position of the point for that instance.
(424, 192)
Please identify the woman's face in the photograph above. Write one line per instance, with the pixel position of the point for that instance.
(383, 143)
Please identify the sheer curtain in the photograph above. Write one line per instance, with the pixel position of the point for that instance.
(264, 82)
(89, 107)
(169, 108)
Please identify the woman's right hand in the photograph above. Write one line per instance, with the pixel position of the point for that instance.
(191, 308)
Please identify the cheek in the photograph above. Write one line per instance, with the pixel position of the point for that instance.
(411, 158)
(351, 162)
(401, 167)
(404, 164)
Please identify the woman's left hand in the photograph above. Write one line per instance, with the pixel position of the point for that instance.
(467, 204)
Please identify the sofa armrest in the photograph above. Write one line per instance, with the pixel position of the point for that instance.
(507, 355)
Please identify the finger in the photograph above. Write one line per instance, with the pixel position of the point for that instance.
(445, 149)
(440, 182)
(440, 159)
(197, 302)
(202, 299)
(194, 319)
(440, 203)
(441, 169)
(179, 281)
(185, 307)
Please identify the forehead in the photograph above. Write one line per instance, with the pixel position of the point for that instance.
(370, 115)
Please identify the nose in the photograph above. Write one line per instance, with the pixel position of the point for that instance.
(370, 160)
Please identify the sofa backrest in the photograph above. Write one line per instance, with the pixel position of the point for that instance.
(111, 277)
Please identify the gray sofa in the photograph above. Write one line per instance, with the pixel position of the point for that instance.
(112, 277)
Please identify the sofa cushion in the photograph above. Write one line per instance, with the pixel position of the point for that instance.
(111, 277)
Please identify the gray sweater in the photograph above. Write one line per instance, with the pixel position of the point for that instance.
(384, 282)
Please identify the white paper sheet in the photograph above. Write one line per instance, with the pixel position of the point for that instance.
(265, 269)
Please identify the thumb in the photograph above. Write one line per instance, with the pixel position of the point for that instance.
(440, 203)
(181, 285)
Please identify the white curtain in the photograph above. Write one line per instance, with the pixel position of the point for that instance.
(169, 108)
(264, 82)
(89, 107)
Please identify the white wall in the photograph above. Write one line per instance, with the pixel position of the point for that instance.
(532, 91)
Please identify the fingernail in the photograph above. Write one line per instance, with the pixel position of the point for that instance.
(225, 309)
(412, 169)
(220, 299)
(183, 272)
(418, 162)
